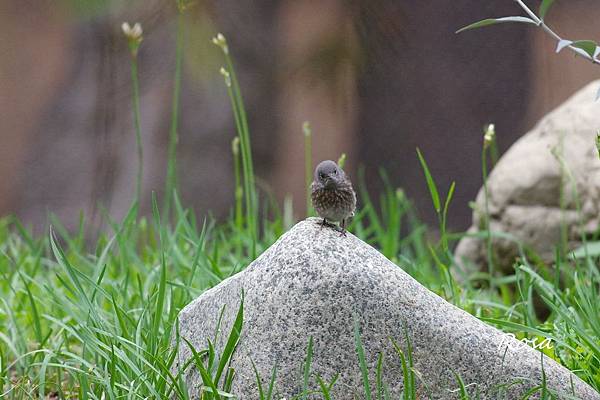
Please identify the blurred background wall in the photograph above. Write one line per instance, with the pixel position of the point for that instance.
(376, 79)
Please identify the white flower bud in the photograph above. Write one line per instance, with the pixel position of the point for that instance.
(235, 145)
(134, 33)
(220, 41)
(306, 128)
(489, 135)
(226, 75)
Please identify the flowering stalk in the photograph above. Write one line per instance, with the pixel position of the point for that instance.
(134, 39)
(489, 138)
(241, 122)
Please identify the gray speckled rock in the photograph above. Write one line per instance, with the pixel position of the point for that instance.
(525, 186)
(312, 282)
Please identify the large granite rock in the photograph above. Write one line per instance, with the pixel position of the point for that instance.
(525, 187)
(314, 282)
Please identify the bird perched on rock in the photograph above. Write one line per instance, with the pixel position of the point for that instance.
(332, 195)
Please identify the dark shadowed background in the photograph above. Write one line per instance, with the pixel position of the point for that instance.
(376, 79)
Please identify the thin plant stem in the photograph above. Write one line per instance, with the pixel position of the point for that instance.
(239, 190)
(494, 152)
(171, 183)
(308, 165)
(138, 131)
(564, 239)
(248, 185)
(487, 214)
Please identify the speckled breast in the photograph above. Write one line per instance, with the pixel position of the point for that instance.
(334, 205)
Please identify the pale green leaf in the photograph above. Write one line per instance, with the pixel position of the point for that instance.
(589, 46)
(494, 21)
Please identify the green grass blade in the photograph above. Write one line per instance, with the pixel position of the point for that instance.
(307, 367)
(362, 360)
(435, 197)
(232, 340)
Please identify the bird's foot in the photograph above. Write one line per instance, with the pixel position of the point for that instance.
(328, 224)
(333, 226)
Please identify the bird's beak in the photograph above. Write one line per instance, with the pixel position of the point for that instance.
(329, 181)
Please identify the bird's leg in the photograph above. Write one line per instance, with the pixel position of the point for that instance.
(343, 227)
(324, 223)
(328, 224)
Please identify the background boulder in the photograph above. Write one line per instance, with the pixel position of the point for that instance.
(550, 178)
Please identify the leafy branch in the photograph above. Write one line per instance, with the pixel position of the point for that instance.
(587, 49)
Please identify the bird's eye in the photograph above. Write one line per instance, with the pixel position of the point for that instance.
(335, 171)
(322, 176)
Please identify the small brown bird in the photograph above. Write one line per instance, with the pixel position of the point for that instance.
(332, 195)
